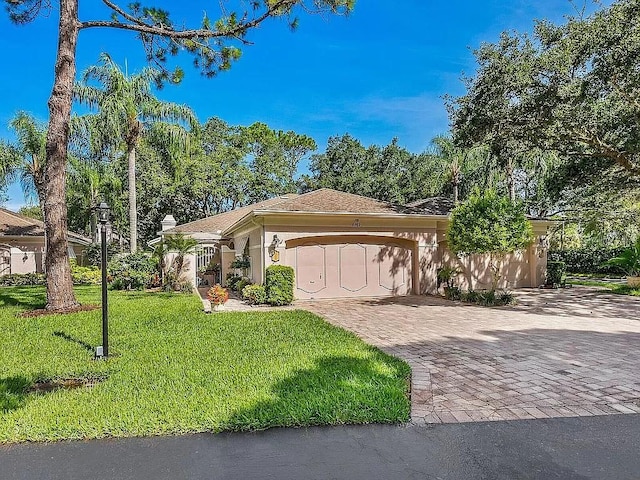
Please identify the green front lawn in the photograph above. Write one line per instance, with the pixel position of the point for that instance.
(618, 288)
(176, 370)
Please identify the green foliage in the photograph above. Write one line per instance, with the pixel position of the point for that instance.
(555, 273)
(239, 285)
(588, 261)
(93, 253)
(279, 284)
(570, 89)
(629, 260)
(134, 271)
(488, 298)
(85, 275)
(175, 370)
(488, 224)
(24, 160)
(31, 211)
(255, 294)
(232, 279)
(452, 293)
(447, 275)
(22, 279)
(241, 263)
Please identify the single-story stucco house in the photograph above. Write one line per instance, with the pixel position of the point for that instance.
(345, 245)
(22, 247)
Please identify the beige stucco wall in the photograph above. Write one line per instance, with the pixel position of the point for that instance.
(425, 238)
(522, 269)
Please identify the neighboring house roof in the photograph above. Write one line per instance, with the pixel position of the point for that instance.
(13, 224)
(432, 206)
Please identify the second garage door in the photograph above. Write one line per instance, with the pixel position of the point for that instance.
(331, 269)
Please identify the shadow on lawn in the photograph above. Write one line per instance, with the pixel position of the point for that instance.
(27, 297)
(13, 392)
(336, 390)
(69, 338)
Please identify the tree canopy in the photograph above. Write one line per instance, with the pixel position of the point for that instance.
(572, 89)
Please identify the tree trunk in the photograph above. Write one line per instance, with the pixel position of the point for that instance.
(455, 193)
(60, 294)
(133, 213)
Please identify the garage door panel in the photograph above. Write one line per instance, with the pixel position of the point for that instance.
(392, 267)
(311, 268)
(335, 269)
(353, 267)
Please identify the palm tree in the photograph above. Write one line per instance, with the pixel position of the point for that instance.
(460, 164)
(127, 109)
(88, 184)
(24, 159)
(179, 246)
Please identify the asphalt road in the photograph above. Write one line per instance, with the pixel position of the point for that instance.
(568, 449)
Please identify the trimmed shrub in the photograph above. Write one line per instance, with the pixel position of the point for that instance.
(134, 271)
(279, 285)
(555, 272)
(255, 294)
(22, 279)
(85, 275)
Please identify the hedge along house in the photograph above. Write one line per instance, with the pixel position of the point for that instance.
(22, 244)
(345, 245)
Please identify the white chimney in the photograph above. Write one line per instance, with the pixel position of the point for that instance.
(168, 222)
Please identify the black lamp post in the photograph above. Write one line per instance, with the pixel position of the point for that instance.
(103, 217)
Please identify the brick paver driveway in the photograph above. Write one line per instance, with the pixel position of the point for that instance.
(558, 353)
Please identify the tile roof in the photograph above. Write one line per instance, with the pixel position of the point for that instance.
(222, 221)
(324, 200)
(14, 224)
(333, 201)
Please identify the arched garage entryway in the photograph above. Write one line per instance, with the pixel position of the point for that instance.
(341, 266)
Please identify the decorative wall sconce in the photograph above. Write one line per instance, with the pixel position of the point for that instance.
(274, 254)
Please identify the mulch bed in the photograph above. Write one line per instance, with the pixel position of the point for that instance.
(43, 311)
(45, 386)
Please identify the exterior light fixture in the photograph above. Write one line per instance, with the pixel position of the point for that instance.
(103, 218)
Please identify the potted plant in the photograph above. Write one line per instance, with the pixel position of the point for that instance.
(218, 296)
(629, 263)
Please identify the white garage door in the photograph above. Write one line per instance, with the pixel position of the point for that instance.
(333, 270)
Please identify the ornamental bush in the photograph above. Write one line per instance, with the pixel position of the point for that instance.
(134, 271)
(255, 294)
(555, 272)
(279, 285)
(489, 224)
(23, 279)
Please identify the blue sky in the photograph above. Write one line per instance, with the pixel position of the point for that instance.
(377, 74)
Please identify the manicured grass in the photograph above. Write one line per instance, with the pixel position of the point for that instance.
(176, 370)
(617, 288)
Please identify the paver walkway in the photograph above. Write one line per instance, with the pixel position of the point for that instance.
(558, 353)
